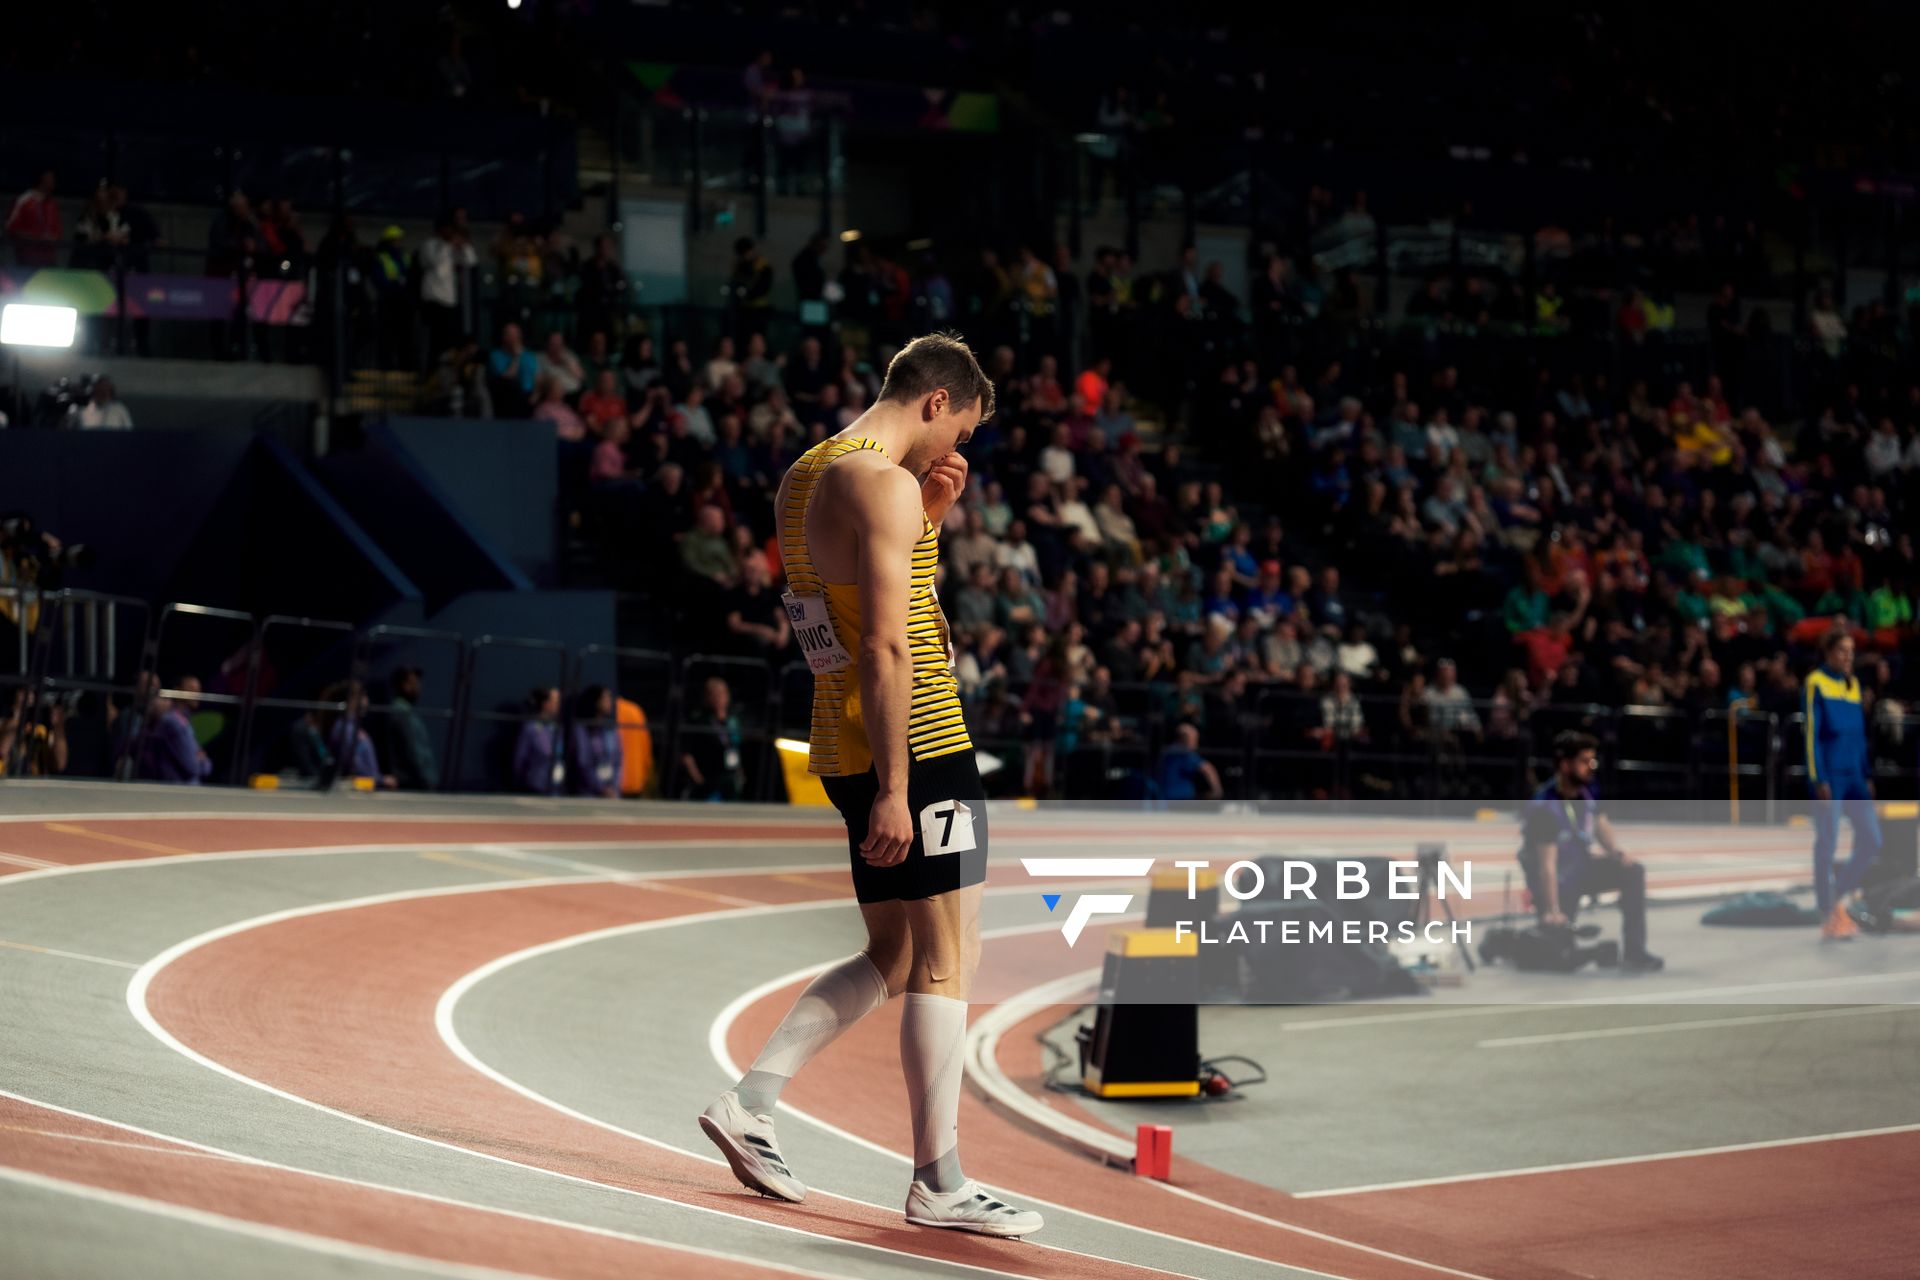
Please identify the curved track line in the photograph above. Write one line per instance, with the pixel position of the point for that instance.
(444, 1013)
(189, 1147)
(328, 1245)
(989, 1077)
(138, 1006)
(444, 1021)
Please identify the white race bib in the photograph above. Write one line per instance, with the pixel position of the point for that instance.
(814, 630)
(946, 826)
(604, 771)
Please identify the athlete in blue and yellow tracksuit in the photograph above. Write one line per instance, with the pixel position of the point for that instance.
(1840, 772)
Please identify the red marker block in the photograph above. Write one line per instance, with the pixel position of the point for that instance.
(1153, 1151)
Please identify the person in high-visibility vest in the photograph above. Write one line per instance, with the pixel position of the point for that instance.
(1840, 774)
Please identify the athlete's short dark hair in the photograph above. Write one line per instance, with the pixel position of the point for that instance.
(1831, 641)
(937, 361)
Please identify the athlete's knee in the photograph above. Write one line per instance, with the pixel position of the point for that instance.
(892, 959)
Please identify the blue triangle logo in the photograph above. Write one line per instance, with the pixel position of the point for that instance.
(1051, 899)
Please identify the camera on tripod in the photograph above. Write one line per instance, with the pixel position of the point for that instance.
(34, 557)
(1549, 948)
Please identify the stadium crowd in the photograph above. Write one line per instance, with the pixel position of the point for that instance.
(1424, 550)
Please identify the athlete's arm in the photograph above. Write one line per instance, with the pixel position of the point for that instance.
(1814, 772)
(887, 521)
(942, 487)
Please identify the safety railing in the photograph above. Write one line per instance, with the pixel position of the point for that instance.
(1079, 740)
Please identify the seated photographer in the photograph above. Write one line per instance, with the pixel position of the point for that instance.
(1560, 829)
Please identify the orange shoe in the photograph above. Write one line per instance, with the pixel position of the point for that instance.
(1838, 925)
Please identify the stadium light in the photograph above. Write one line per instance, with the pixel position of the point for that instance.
(24, 324)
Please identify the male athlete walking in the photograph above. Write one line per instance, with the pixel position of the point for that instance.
(858, 514)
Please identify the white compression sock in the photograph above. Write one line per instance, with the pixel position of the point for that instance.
(932, 1035)
(837, 998)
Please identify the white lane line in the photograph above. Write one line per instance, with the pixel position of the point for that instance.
(425, 1197)
(1767, 1144)
(66, 955)
(1655, 996)
(444, 1022)
(21, 860)
(588, 870)
(143, 979)
(983, 1044)
(147, 1147)
(1694, 1024)
(328, 1245)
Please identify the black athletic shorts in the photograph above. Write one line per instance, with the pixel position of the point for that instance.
(948, 807)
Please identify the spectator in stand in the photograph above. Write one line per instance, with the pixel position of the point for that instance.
(409, 745)
(713, 760)
(749, 289)
(610, 471)
(568, 426)
(168, 749)
(1343, 720)
(444, 259)
(757, 624)
(33, 225)
(539, 765)
(595, 763)
(640, 367)
(704, 551)
(103, 409)
(692, 413)
(512, 373)
(604, 403)
(810, 270)
(100, 233)
(560, 366)
(347, 736)
(1182, 772)
(602, 298)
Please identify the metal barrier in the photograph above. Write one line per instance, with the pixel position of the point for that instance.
(345, 706)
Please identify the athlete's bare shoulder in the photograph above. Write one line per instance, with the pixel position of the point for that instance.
(869, 487)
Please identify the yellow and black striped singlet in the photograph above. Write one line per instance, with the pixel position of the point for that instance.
(837, 745)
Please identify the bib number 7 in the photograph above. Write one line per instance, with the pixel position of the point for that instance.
(946, 826)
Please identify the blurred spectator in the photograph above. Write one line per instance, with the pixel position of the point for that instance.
(444, 259)
(749, 289)
(33, 225)
(597, 760)
(168, 749)
(712, 760)
(409, 745)
(539, 765)
(347, 737)
(1182, 772)
(704, 550)
(602, 300)
(512, 371)
(558, 363)
(103, 409)
(568, 426)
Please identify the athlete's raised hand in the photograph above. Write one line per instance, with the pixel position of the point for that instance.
(944, 484)
(889, 831)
